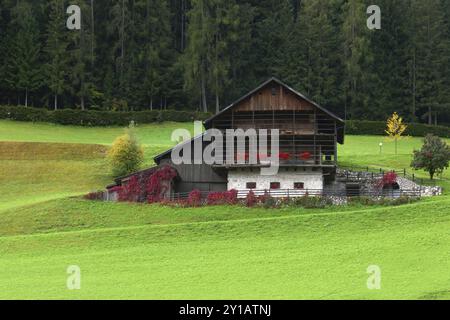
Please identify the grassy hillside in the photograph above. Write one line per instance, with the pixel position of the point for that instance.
(323, 256)
(36, 172)
(143, 251)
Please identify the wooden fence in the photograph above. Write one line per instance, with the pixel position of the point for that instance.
(292, 193)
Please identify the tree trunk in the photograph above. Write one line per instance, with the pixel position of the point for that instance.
(151, 104)
(26, 97)
(414, 86)
(56, 102)
(122, 40)
(204, 103)
(92, 32)
(82, 103)
(430, 116)
(217, 103)
(183, 24)
(396, 146)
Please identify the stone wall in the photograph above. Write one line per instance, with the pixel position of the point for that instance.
(313, 180)
(369, 180)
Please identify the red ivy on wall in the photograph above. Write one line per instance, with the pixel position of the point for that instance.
(158, 183)
(131, 191)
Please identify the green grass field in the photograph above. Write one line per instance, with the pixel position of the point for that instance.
(129, 251)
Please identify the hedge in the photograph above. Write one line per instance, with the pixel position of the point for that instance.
(97, 118)
(378, 128)
(110, 118)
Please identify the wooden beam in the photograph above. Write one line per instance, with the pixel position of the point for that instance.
(315, 136)
(335, 144)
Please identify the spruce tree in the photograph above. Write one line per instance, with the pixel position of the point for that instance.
(195, 59)
(80, 57)
(23, 67)
(356, 58)
(56, 46)
(431, 53)
(156, 54)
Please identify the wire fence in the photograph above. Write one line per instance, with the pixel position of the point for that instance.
(360, 172)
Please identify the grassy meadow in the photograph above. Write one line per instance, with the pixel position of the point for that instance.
(134, 251)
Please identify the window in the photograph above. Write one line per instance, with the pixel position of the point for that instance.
(274, 91)
(275, 186)
(299, 185)
(251, 185)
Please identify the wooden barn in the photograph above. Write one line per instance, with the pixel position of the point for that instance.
(308, 138)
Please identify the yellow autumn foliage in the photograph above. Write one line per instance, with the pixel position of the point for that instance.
(126, 155)
(395, 128)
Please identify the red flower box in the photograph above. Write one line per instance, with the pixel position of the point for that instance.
(305, 156)
(284, 156)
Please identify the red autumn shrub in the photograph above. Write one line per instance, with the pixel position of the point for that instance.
(264, 197)
(251, 199)
(222, 198)
(389, 179)
(231, 197)
(215, 198)
(194, 198)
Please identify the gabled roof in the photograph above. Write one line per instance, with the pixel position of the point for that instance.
(273, 79)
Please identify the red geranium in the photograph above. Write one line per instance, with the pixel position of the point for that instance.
(305, 156)
(284, 156)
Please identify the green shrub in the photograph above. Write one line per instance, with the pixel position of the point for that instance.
(269, 202)
(125, 155)
(97, 118)
(378, 128)
(308, 202)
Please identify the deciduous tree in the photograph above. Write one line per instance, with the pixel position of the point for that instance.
(434, 156)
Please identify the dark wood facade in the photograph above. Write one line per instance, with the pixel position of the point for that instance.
(304, 126)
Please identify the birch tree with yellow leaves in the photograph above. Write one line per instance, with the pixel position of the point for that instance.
(395, 129)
